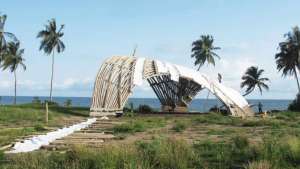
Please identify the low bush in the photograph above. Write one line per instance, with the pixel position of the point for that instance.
(68, 103)
(39, 127)
(36, 100)
(240, 142)
(144, 109)
(179, 126)
(51, 103)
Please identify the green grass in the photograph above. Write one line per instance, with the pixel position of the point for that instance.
(222, 142)
(21, 120)
(32, 113)
(10, 134)
(220, 131)
(179, 126)
(216, 118)
(162, 152)
(139, 124)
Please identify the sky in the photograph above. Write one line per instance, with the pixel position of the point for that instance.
(248, 33)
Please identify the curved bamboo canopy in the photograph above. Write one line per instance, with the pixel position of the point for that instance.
(174, 85)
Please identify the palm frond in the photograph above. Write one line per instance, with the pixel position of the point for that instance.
(252, 78)
(203, 51)
(51, 38)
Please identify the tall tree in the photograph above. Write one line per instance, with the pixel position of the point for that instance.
(5, 37)
(203, 50)
(252, 79)
(14, 58)
(288, 58)
(50, 42)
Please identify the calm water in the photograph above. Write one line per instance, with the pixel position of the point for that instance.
(201, 105)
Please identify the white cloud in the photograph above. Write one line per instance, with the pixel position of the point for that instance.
(63, 88)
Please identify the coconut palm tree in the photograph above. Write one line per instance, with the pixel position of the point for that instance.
(203, 51)
(288, 58)
(51, 42)
(5, 37)
(14, 58)
(252, 79)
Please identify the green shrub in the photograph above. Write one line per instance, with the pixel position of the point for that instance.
(36, 100)
(144, 109)
(68, 103)
(179, 126)
(123, 128)
(241, 142)
(129, 113)
(51, 103)
(39, 127)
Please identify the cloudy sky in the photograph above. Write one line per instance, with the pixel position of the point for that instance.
(247, 31)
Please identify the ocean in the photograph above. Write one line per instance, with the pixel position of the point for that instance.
(202, 105)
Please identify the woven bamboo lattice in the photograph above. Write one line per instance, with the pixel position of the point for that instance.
(115, 81)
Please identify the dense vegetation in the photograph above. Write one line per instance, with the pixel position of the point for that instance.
(162, 152)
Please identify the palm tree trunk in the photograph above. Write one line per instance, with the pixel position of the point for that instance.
(52, 72)
(296, 77)
(199, 68)
(15, 99)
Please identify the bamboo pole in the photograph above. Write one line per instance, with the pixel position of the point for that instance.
(47, 114)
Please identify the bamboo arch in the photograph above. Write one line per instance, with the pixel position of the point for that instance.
(174, 85)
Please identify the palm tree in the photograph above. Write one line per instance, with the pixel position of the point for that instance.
(203, 51)
(13, 58)
(252, 78)
(288, 58)
(4, 36)
(51, 42)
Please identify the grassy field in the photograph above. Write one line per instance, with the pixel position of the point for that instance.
(24, 120)
(169, 141)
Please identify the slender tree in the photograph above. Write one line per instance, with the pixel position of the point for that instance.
(252, 79)
(14, 58)
(288, 57)
(203, 50)
(50, 42)
(5, 37)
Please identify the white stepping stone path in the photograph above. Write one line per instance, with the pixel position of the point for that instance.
(37, 142)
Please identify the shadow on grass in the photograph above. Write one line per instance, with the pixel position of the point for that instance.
(76, 111)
